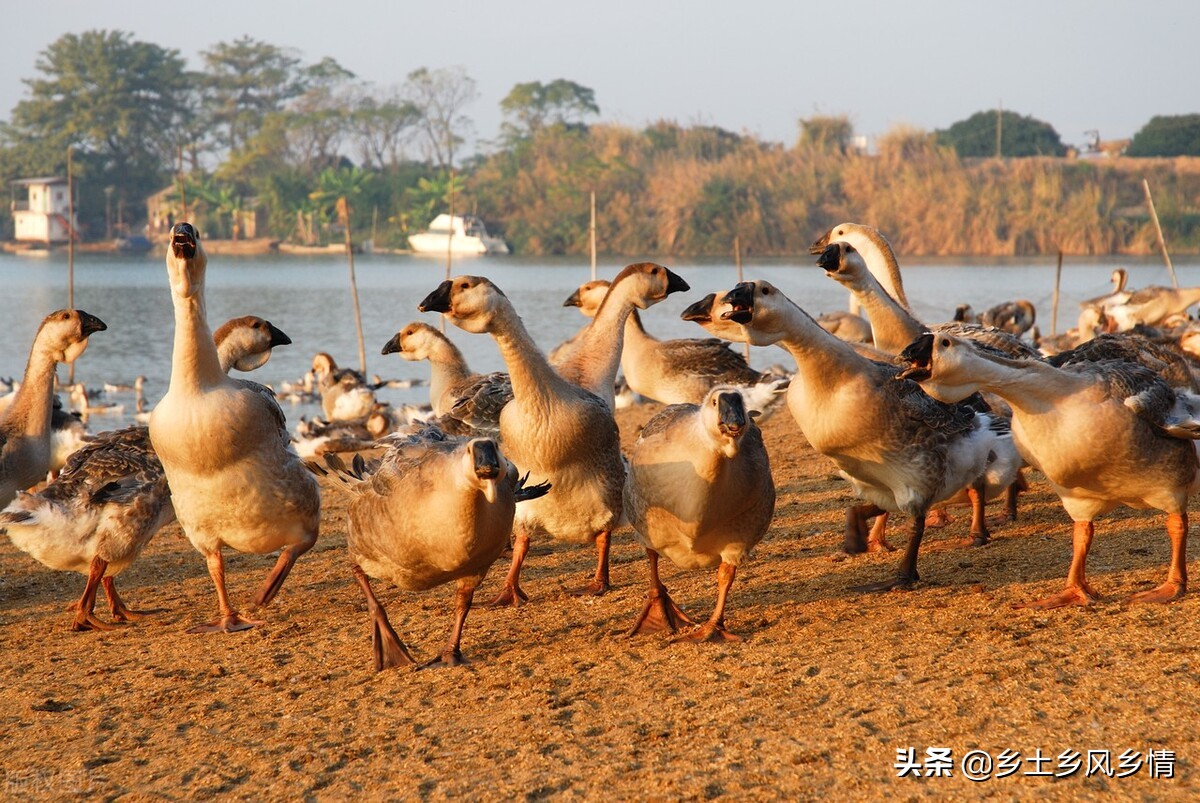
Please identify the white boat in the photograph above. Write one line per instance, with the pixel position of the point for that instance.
(463, 234)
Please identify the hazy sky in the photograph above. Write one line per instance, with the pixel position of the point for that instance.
(753, 66)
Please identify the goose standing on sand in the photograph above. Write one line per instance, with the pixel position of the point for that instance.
(1105, 434)
(699, 491)
(25, 450)
(224, 447)
(112, 495)
(901, 450)
(553, 429)
(428, 512)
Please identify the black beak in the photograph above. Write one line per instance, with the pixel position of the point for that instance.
(393, 346)
(919, 356)
(487, 460)
(675, 283)
(731, 414)
(438, 300)
(819, 244)
(573, 300)
(741, 298)
(183, 240)
(701, 311)
(90, 324)
(278, 337)
(831, 257)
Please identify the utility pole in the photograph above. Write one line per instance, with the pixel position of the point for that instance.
(999, 130)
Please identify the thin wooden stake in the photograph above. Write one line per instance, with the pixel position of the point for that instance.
(70, 250)
(1162, 243)
(449, 242)
(343, 210)
(1054, 303)
(592, 236)
(737, 259)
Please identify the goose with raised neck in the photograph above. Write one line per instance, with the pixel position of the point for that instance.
(880, 258)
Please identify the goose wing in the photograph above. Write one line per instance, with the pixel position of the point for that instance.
(1004, 342)
(480, 401)
(710, 357)
(666, 419)
(269, 402)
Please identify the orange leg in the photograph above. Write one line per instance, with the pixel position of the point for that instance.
(1077, 592)
(857, 539)
(907, 575)
(85, 619)
(660, 611)
(274, 581)
(1176, 585)
(979, 528)
(599, 584)
(714, 628)
(452, 655)
(117, 605)
(512, 594)
(229, 621)
(386, 646)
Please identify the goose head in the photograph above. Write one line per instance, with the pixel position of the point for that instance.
(847, 232)
(589, 297)
(945, 366)
(323, 367)
(414, 342)
(843, 263)
(758, 308)
(485, 466)
(186, 261)
(64, 333)
(646, 283)
(709, 314)
(472, 303)
(725, 418)
(245, 343)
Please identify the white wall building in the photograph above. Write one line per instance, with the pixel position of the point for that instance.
(42, 217)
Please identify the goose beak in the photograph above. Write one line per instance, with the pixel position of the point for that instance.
(393, 346)
(831, 257)
(438, 300)
(919, 356)
(90, 324)
(820, 243)
(731, 414)
(183, 240)
(278, 337)
(676, 284)
(701, 311)
(573, 300)
(487, 467)
(741, 299)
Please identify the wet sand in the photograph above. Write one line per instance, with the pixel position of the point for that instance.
(825, 689)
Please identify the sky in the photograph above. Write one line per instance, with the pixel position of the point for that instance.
(748, 66)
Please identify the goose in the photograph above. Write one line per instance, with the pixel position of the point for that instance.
(699, 491)
(901, 450)
(68, 434)
(1171, 366)
(318, 437)
(430, 511)
(1104, 434)
(591, 359)
(848, 326)
(1150, 306)
(112, 495)
(84, 402)
(1015, 317)
(25, 450)
(683, 371)
(345, 395)
(553, 429)
(588, 298)
(1118, 295)
(224, 447)
(892, 327)
(877, 253)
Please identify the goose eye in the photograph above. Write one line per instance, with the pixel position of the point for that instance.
(464, 286)
(656, 271)
(766, 291)
(945, 343)
(849, 249)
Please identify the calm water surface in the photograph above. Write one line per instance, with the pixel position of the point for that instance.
(309, 298)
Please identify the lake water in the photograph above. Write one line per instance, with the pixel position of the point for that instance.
(309, 299)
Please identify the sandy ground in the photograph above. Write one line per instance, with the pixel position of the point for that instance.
(825, 689)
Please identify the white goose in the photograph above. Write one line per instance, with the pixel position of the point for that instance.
(877, 253)
(345, 395)
(699, 491)
(25, 451)
(428, 512)
(553, 429)
(901, 450)
(224, 447)
(1105, 434)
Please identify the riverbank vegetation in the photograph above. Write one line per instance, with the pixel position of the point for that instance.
(260, 141)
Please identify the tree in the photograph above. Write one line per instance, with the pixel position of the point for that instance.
(533, 105)
(122, 103)
(827, 134)
(440, 96)
(1167, 135)
(246, 81)
(1019, 136)
(320, 118)
(381, 126)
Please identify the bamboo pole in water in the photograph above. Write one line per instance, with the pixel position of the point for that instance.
(449, 240)
(1054, 303)
(70, 249)
(592, 236)
(343, 210)
(737, 259)
(1162, 243)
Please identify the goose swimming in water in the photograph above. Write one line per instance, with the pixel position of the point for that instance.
(25, 450)
(430, 511)
(1104, 434)
(700, 492)
(224, 447)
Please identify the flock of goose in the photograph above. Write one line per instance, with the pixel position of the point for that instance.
(915, 416)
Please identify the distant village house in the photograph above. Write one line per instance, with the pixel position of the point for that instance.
(43, 217)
